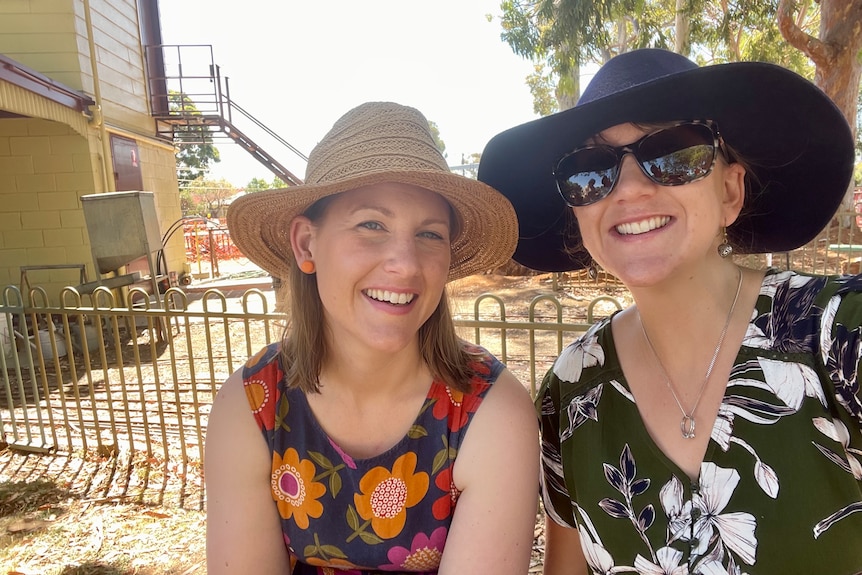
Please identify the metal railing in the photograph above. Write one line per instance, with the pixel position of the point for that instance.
(95, 380)
(89, 379)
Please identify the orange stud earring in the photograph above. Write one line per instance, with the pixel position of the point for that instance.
(307, 267)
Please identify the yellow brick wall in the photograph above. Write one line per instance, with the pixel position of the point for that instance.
(159, 171)
(44, 165)
(44, 170)
(41, 222)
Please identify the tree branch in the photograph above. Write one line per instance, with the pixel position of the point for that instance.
(819, 52)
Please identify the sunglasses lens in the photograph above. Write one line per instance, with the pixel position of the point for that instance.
(587, 175)
(678, 155)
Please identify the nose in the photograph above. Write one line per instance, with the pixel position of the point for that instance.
(402, 256)
(631, 181)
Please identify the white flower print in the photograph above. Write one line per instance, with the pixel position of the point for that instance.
(792, 382)
(623, 391)
(837, 431)
(676, 510)
(722, 434)
(585, 352)
(580, 409)
(828, 319)
(716, 486)
(598, 558)
(771, 282)
(668, 563)
(736, 530)
(755, 336)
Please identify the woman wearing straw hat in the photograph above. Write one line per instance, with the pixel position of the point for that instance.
(346, 446)
(714, 426)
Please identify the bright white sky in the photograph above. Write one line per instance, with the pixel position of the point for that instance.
(298, 65)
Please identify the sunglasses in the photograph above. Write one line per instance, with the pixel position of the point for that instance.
(672, 156)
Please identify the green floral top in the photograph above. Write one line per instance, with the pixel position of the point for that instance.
(389, 513)
(780, 486)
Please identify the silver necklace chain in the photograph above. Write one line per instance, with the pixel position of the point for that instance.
(686, 425)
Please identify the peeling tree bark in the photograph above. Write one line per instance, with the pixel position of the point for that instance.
(837, 53)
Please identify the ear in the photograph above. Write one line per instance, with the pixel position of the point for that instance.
(302, 238)
(734, 192)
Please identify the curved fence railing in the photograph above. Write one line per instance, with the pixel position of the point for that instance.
(135, 385)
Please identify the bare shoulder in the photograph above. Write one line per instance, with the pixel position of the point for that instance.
(497, 473)
(504, 426)
(509, 398)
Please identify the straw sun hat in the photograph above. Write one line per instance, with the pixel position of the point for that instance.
(374, 143)
(796, 141)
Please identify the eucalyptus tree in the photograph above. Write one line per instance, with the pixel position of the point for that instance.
(193, 142)
(836, 50)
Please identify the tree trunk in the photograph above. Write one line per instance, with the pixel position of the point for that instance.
(566, 101)
(834, 53)
(682, 42)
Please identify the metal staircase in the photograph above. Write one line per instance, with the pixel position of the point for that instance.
(192, 105)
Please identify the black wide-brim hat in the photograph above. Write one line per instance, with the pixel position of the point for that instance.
(796, 142)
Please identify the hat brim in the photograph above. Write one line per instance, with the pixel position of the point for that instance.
(797, 143)
(259, 222)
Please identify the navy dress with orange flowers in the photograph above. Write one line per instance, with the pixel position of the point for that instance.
(389, 513)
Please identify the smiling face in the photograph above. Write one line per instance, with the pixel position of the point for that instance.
(382, 259)
(644, 232)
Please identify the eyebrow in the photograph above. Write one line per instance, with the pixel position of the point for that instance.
(388, 213)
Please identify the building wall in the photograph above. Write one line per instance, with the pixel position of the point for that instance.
(42, 35)
(45, 167)
(159, 171)
(53, 37)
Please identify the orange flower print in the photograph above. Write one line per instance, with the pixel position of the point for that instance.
(386, 495)
(444, 506)
(293, 489)
(258, 394)
(255, 359)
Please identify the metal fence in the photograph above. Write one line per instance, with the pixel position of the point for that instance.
(92, 379)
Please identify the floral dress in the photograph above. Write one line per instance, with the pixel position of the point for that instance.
(780, 486)
(390, 512)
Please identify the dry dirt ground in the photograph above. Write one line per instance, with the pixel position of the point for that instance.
(55, 520)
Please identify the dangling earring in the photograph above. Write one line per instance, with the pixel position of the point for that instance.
(593, 271)
(724, 248)
(307, 267)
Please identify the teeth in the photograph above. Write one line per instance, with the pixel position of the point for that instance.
(642, 226)
(390, 297)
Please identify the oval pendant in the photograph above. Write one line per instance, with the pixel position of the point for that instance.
(687, 426)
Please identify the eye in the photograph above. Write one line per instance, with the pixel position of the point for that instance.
(432, 235)
(371, 225)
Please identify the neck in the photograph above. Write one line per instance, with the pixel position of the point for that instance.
(684, 322)
(690, 300)
(373, 374)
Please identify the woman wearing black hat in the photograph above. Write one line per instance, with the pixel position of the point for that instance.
(371, 438)
(714, 426)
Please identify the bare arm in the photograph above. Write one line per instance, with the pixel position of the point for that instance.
(563, 554)
(497, 471)
(243, 527)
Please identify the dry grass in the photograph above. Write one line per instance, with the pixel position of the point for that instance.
(95, 515)
(56, 519)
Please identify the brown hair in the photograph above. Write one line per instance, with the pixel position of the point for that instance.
(304, 348)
